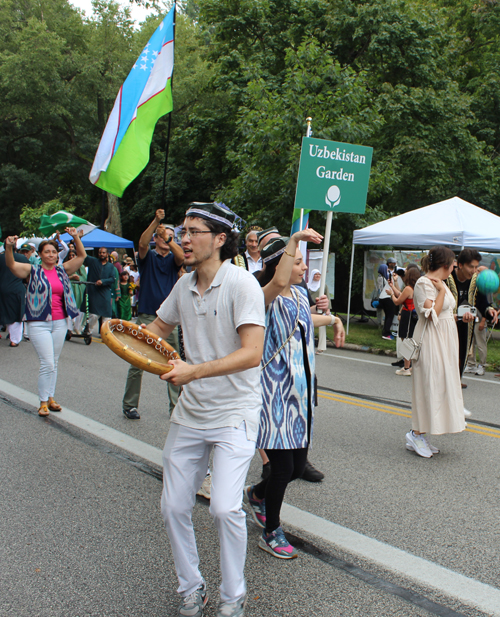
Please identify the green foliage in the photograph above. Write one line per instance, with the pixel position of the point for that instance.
(30, 217)
(418, 81)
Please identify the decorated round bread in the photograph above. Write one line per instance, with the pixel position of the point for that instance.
(138, 346)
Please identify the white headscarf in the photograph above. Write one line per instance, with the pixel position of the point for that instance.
(312, 284)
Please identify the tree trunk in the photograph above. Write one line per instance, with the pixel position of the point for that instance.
(113, 223)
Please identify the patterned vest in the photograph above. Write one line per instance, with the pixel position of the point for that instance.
(39, 295)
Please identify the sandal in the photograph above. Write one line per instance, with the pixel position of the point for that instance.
(13, 344)
(53, 406)
(43, 411)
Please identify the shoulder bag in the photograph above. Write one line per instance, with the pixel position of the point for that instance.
(409, 348)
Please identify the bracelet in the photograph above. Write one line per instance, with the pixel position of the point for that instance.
(289, 254)
(332, 321)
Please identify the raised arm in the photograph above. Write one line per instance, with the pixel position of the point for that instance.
(18, 269)
(65, 248)
(283, 272)
(247, 356)
(177, 251)
(74, 264)
(147, 235)
(395, 291)
(403, 295)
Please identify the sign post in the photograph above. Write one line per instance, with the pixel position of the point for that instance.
(333, 177)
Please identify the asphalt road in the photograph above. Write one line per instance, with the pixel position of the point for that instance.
(80, 525)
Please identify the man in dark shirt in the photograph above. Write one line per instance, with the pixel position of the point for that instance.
(462, 283)
(159, 271)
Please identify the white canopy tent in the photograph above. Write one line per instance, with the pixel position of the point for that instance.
(454, 222)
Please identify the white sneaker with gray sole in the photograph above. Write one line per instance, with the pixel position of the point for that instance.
(194, 604)
(432, 448)
(418, 444)
(236, 609)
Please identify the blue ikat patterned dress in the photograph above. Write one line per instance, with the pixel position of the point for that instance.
(287, 381)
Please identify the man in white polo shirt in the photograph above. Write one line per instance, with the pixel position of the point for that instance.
(221, 310)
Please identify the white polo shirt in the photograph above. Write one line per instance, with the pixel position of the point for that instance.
(209, 328)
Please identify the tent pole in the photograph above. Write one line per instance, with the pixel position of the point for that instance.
(350, 285)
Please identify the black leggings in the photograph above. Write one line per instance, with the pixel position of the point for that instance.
(286, 465)
(389, 310)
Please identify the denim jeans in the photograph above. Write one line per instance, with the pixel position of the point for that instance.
(48, 339)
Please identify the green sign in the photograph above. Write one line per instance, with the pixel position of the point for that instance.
(333, 176)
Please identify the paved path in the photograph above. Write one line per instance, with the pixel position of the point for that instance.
(386, 533)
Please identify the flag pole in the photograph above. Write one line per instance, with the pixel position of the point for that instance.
(308, 134)
(324, 264)
(167, 147)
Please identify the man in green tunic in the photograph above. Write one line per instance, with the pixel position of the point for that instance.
(102, 273)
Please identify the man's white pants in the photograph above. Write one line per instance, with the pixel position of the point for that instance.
(15, 332)
(185, 461)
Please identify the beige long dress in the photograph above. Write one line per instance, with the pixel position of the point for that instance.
(437, 402)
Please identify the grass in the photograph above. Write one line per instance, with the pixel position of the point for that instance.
(370, 335)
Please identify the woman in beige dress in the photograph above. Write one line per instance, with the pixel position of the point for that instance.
(437, 403)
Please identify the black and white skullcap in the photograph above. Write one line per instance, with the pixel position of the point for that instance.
(211, 212)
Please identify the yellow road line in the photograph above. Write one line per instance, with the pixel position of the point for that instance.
(349, 399)
(488, 431)
(358, 403)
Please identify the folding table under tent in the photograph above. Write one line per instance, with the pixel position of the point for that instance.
(98, 237)
(453, 222)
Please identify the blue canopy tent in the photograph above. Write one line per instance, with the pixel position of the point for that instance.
(98, 237)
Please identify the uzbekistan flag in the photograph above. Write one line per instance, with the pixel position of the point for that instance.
(296, 220)
(145, 96)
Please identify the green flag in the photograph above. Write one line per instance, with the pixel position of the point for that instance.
(60, 220)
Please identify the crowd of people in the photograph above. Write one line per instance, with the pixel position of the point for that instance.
(243, 324)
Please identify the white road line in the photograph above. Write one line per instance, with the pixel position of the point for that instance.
(332, 355)
(468, 590)
(471, 592)
(339, 357)
(130, 444)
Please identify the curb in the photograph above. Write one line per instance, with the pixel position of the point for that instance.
(364, 348)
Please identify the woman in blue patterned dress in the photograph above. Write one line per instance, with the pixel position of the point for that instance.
(287, 381)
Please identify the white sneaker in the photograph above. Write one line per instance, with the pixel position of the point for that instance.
(480, 369)
(467, 413)
(404, 371)
(419, 444)
(237, 609)
(470, 369)
(432, 448)
(206, 487)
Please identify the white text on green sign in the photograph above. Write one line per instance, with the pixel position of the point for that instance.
(333, 176)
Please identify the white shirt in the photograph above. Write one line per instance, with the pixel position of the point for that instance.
(253, 266)
(133, 275)
(209, 328)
